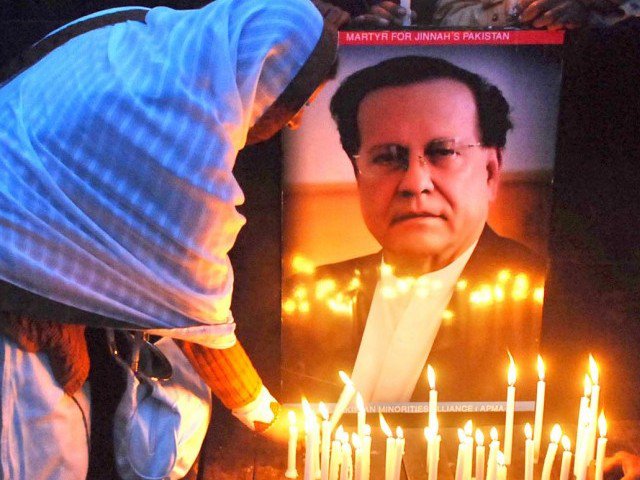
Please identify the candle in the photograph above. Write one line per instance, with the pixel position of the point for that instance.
(556, 433)
(462, 448)
(566, 458)
(336, 455)
(406, 4)
(362, 415)
(310, 449)
(582, 422)
(399, 453)
(292, 447)
(537, 423)
(433, 450)
(325, 442)
(433, 396)
(344, 399)
(501, 466)
(346, 467)
(511, 399)
(479, 455)
(317, 473)
(593, 407)
(602, 445)
(494, 448)
(390, 452)
(357, 447)
(581, 455)
(366, 452)
(528, 453)
(468, 450)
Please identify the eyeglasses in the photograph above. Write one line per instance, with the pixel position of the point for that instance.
(441, 154)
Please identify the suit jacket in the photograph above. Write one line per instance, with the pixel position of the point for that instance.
(325, 314)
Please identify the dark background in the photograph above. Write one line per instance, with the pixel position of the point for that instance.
(592, 299)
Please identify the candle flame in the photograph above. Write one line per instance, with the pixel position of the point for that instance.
(479, 437)
(493, 433)
(593, 370)
(431, 377)
(345, 378)
(511, 374)
(292, 418)
(566, 443)
(461, 436)
(587, 385)
(500, 458)
(528, 432)
(306, 408)
(360, 403)
(355, 440)
(540, 369)
(556, 433)
(602, 425)
(366, 430)
(385, 426)
(323, 411)
(339, 432)
(399, 432)
(468, 428)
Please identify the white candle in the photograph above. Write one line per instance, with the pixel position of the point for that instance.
(399, 453)
(602, 445)
(292, 447)
(528, 453)
(362, 415)
(390, 452)
(581, 456)
(566, 458)
(537, 423)
(511, 399)
(583, 414)
(357, 448)
(502, 467)
(325, 442)
(462, 448)
(346, 467)
(336, 455)
(343, 401)
(479, 455)
(433, 451)
(593, 407)
(310, 449)
(468, 453)
(556, 433)
(366, 452)
(406, 4)
(494, 448)
(433, 397)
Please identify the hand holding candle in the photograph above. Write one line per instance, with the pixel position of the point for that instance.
(556, 433)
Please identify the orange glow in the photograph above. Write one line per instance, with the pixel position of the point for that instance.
(431, 377)
(462, 284)
(504, 276)
(300, 292)
(299, 264)
(538, 295)
(289, 306)
(324, 287)
(304, 306)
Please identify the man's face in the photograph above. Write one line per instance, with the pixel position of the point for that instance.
(425, 216)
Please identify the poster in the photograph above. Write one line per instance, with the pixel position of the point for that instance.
(389, 271)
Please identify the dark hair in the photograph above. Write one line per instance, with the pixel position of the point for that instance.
(493, 109)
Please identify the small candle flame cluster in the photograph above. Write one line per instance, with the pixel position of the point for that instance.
(335, 461)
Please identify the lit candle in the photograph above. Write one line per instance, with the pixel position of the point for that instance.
(582, 462)
(325, 442)
(399, 453)
(316, 450)
(336, 455)
(346, 467)
(494, 448)
(366, 452)
(468, 450)
(583, 414)
(362, 415)
(390, 452)
(479, 455)
(343, 401)
(537, 423)
(433, 450)
(292, 447)
(566, 458)
(556, 433)
(602, 445)
(528, 453)
(357, 447)
(310, 439)
(433, 397)
(593, 407)
(511, 400)
(462, 448)
(501, 466)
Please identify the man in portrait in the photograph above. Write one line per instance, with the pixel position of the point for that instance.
(426, 147)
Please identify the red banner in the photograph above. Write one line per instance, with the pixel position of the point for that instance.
(452, 37)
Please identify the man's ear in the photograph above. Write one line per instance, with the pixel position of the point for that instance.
(494, 167)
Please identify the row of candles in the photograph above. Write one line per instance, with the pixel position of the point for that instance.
(334, 460)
